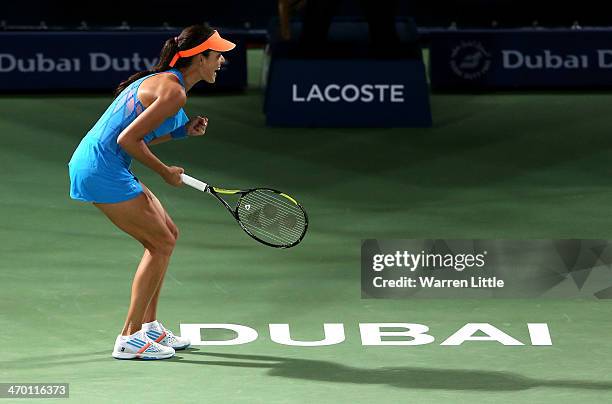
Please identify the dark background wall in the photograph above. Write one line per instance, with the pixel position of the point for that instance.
(256, 13)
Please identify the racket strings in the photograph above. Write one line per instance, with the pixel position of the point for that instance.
(288, 221)
(272, 217)
(288, 210)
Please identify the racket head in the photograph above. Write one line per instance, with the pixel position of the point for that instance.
(271, 217)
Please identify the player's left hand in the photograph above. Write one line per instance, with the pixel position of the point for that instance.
(197, 126)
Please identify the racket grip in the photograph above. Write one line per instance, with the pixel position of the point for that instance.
(194, 183)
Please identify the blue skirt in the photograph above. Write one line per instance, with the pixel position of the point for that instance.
(96, 178)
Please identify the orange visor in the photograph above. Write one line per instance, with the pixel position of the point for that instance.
(214, 42)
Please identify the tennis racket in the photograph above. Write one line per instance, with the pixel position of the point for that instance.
(269, 216)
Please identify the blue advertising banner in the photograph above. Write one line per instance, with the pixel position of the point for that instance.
(347, 93)
(57, 61)
(521, 58)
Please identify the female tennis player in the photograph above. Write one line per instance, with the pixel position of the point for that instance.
(147, 110)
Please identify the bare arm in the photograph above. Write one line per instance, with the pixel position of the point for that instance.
(194, 127)
(170, 98)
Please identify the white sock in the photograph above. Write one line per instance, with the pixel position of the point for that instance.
(126, 337)
(148, 326)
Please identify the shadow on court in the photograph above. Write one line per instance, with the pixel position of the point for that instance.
(56, 360)
(402, 377)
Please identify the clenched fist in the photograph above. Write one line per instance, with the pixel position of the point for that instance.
(197, 126)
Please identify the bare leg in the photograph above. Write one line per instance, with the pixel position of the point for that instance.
(146, 283)
(141, 219)
(151, 311)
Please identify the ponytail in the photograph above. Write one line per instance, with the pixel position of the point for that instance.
(189, 37)
(167, 52)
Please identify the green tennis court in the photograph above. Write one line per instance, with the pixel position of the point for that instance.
(505, 165)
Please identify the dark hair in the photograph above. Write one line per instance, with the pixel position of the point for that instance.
(189, 38)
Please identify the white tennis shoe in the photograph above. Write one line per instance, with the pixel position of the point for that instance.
(140, 346)
(158, 333)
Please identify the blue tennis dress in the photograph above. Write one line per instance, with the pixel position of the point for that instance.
(100, 168)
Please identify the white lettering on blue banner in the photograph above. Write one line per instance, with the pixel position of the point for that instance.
(98, 62)
(349, 93)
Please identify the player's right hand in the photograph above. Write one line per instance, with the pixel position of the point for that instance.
(173, 176)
